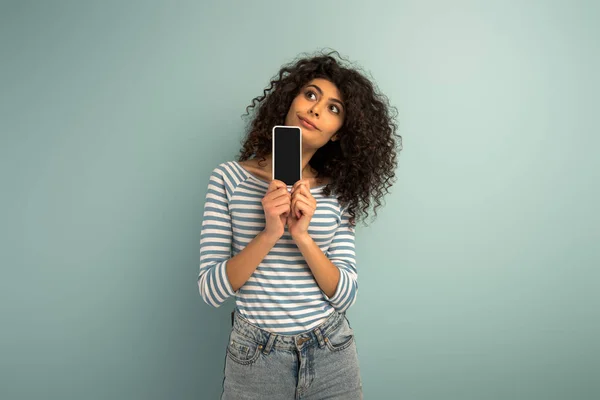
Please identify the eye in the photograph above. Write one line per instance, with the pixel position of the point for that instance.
(335, 109)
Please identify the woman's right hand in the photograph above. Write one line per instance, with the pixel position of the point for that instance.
(276, 204)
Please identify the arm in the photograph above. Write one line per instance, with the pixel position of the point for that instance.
(335, 270)
(221, 275)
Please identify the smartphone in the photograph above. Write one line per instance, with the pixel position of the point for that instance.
(287, 154)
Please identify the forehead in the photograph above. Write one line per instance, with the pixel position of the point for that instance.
(329, 88)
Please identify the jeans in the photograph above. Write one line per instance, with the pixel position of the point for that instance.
(319, 364)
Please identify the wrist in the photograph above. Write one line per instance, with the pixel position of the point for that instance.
(301, 238)
(269, 236)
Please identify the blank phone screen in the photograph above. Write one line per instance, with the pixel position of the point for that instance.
(286, 146)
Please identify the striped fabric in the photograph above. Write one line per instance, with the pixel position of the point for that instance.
(282, 296)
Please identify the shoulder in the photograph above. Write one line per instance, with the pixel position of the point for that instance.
(227, 174)
(227, 169)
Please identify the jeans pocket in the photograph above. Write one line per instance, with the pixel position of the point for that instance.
(242, 350)
(341, 337)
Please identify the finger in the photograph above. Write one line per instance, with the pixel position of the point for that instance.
(306, 191)
(296, 205)
(304, 207)
(272, 207)
(270, 196)
(282, 209)
(281, 200)
(294, 209)
(302, 197)
(301, 182)
(302, 189)
(309, 196)
(275, 184)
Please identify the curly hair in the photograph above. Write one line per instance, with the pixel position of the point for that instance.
(361, 163)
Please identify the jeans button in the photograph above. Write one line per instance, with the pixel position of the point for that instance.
(301, 340)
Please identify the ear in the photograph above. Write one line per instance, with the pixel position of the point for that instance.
(334, 138)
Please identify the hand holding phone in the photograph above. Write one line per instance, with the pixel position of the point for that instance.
(276, 205)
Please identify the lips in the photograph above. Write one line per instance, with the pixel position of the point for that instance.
(308, 122)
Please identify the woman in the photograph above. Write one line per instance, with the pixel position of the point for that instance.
(287, 252)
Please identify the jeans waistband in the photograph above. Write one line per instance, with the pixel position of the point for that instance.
(268, 340)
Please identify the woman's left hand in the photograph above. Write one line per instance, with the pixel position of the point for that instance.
(302, 209)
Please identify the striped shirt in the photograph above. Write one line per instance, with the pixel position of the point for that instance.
(282, 295)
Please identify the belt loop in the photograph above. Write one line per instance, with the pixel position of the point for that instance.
(319, 336)
(269, 344)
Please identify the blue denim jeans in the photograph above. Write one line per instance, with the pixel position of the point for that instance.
(319, 364)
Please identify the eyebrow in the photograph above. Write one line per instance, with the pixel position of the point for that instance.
(321, 93)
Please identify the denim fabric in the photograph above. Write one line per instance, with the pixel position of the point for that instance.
(319, 364)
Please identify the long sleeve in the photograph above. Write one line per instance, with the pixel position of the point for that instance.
(215, 243)
(341, 253)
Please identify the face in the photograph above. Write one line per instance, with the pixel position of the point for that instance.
(319, 110)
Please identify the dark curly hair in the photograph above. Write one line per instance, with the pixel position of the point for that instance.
(362, 163)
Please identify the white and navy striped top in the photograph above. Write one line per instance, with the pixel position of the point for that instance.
(282, 295)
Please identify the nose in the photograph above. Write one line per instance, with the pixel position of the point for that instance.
(313, 112)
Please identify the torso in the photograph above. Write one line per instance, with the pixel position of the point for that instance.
(263, 171)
